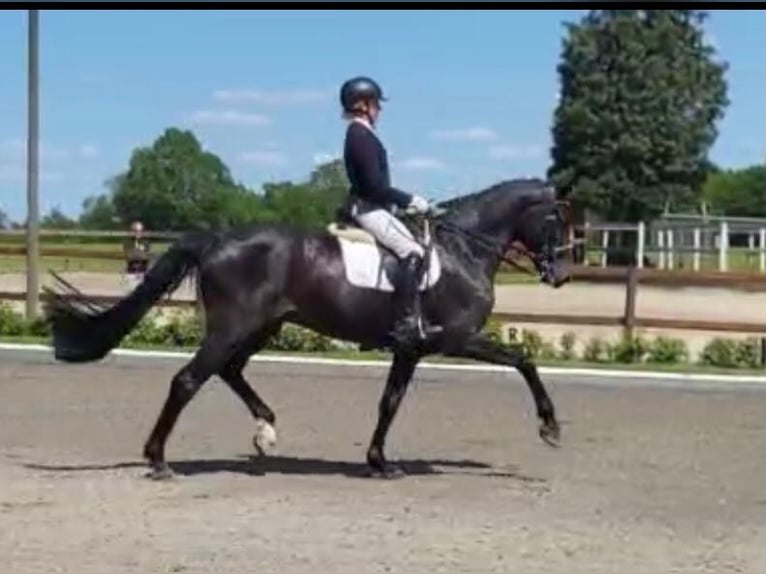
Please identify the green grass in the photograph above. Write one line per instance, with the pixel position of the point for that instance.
(383, 356)
(740, 259)
(18, 263)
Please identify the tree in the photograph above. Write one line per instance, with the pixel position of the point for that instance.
(56, 219)
(740, 192)
(98, 214)
(176, 185)
(5, 221)
(641, 93)
(311, 204)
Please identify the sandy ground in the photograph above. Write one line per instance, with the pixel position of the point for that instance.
(577, 299)
(650, 479)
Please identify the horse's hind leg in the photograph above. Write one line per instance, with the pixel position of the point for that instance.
(232, 373)
(215, 350)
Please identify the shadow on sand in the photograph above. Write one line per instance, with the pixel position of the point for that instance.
(260, 466)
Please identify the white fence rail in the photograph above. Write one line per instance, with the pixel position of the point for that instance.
(688, 243)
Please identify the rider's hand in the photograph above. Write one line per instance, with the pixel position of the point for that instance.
(419, 204)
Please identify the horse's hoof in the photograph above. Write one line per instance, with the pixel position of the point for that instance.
(387, 472)
(550, 432)
(160, 473)
(265, 437)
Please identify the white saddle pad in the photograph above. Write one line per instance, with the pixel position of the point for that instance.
(363, 265)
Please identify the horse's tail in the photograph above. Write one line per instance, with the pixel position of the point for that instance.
(84, 332)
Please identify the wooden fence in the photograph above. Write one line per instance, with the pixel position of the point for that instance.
(630, 277)
(671, 242)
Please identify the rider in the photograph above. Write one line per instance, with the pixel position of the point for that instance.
(373, 200)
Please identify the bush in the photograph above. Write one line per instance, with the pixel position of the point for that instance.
(628, 349)
(147, 332)
(567, 343)
(494, 331)
(12, 324)
(294, 338)
(184, 329)
(748, 353)
(667, 350)
(720, 353)
(532, 342)
(595, 350)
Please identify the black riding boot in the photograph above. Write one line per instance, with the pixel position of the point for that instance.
(408, 328)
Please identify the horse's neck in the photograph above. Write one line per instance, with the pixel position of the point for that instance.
(488, 222)
(470, 252)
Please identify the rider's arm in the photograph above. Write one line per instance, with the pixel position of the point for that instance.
(363, 152)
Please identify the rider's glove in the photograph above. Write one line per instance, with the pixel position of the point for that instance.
(419, 204)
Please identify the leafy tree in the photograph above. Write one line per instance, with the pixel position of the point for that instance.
(176, 185)
(311, 204)
(98, 213)
(5, 221)
(56, 219)
(740, 192)
(641, 93)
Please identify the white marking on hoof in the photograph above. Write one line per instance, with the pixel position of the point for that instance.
(265, 436)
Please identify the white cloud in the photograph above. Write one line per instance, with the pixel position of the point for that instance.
(476, 133)
(515, 152)
(230, 118)
(89, 151)
(323, 157)
(264, 157)
(18, 174)
(15, 149)
(12, 148)
(422, 164)
(273, 97)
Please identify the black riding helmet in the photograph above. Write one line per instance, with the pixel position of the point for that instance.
(359, 89)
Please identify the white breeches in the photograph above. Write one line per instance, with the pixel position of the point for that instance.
(388, 230)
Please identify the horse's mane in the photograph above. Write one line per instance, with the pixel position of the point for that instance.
(520, 185)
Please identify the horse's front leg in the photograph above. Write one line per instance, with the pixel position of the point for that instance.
(481, 348)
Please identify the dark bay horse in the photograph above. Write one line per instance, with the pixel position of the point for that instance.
(254, 279)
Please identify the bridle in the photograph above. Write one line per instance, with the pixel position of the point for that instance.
(505, 252)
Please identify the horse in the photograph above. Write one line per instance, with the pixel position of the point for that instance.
(255, 278)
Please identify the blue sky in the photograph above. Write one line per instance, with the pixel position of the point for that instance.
(471, 92)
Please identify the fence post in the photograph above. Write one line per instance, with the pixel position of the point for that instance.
(661, 247)
(585, 235)
(669, 233)
(723, 246)
(762, 245)
(697, 247)
(631, 287)
(641, 244)
(604, 246)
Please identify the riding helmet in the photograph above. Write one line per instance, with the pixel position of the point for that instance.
(357, 89)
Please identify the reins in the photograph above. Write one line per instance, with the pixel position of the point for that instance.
(500, 251)
(489, 244)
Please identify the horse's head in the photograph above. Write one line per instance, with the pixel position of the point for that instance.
(519, 215)
(541, 234)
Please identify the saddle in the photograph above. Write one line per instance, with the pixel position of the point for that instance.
(369, 263)
(345, 227)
